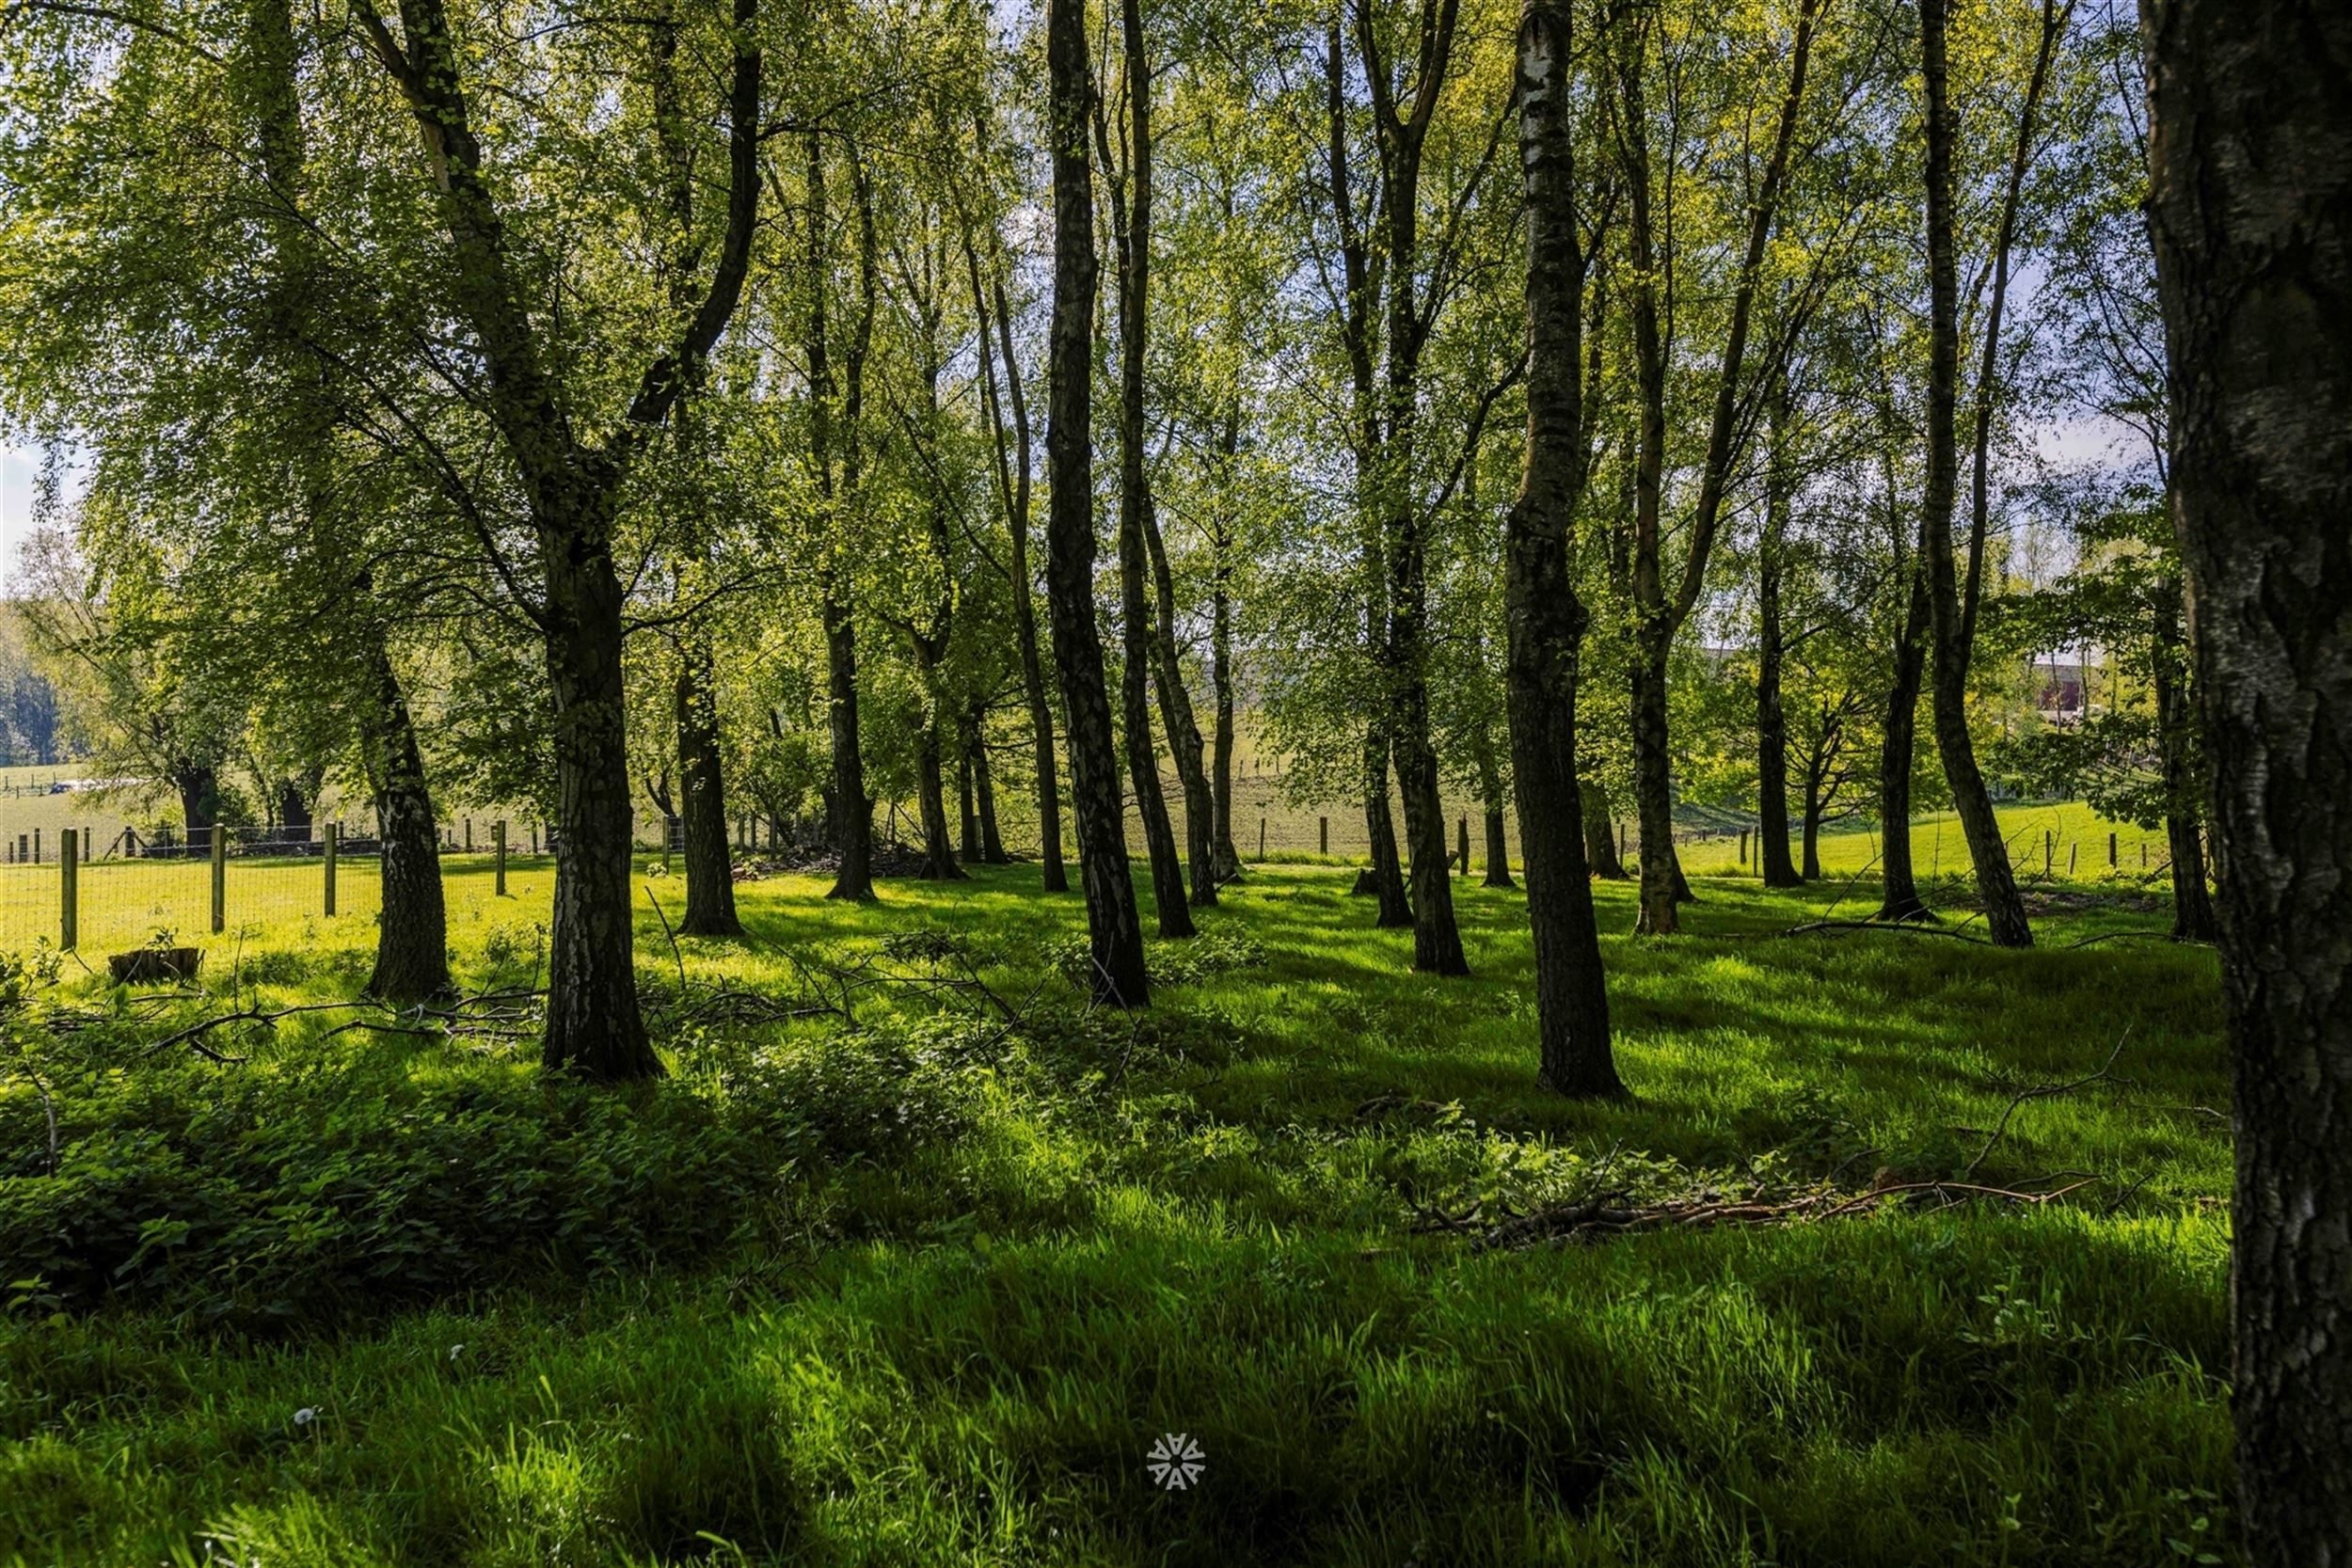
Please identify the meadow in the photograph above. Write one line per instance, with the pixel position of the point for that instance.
(915, 1259)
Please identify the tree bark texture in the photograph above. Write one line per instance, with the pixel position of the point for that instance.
(1948, 642)
(2251, 155)
(1543, 618)
(1115, 935)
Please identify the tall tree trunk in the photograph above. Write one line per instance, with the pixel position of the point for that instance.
(968, 812)
(1542, 612)
(2251, 155)
(1772, 724)
(1437, 940)
(1012, 484)
(851, 810)
(1115, 935)
(931, 789)
(1653, 787)
(1997, 885)
(1184, 730)
(412, 931)
(593, 1027)
(984, 792)
(1900, 896)
(1660, 611)
(1813, 783)
(1132, 245)
(709, 867)
(412, 937)
(1224, 854)
(1600, 831)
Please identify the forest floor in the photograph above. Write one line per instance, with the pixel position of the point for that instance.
(915, 1259)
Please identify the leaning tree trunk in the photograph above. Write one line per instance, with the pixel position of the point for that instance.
(1115, 935)
(1544, 617)
(1386, 879)
(1997, 883)
(412, 936)
(1184, 730)
(1900, 895)
(709, 867)
(2251, 155)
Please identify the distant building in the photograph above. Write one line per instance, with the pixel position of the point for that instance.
(2063, 690)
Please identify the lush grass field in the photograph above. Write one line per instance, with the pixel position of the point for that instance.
(926, 1289)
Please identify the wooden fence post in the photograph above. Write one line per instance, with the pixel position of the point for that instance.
(2071, 850)
(334, 842)
(1323, 835)
(69, 889)
(1461, 842)
(497, 843)
(221, 878)
(2110, 851)
(1262, 841)
(1744, 847)
(2049, 849)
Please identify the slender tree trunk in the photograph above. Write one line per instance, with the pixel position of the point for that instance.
(968, 812)
(1996, 884)
(851, 810)
(709, 866)
(931, 789)
(1437, 940)
(1544, 617)
(1600, 831)
(1653, 789)
(1899, 898)
(1226, 858)
(984, 792)
(412, 937)
(1772, 724)
(1183, 731)
(1385, 881)
(2184, 811)
(1812, 825)
(1013, 483)
(1114, 934)
(1498, 849)
(1131, 244)
(2251, 155)
(1491, 796)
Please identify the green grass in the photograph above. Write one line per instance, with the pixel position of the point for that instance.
(926, 1291)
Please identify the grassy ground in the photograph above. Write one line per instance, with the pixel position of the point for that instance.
(928, 1288)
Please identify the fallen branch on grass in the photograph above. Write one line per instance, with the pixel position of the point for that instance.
(1600, 1218)
(1909, 926)
(2043, 1091)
